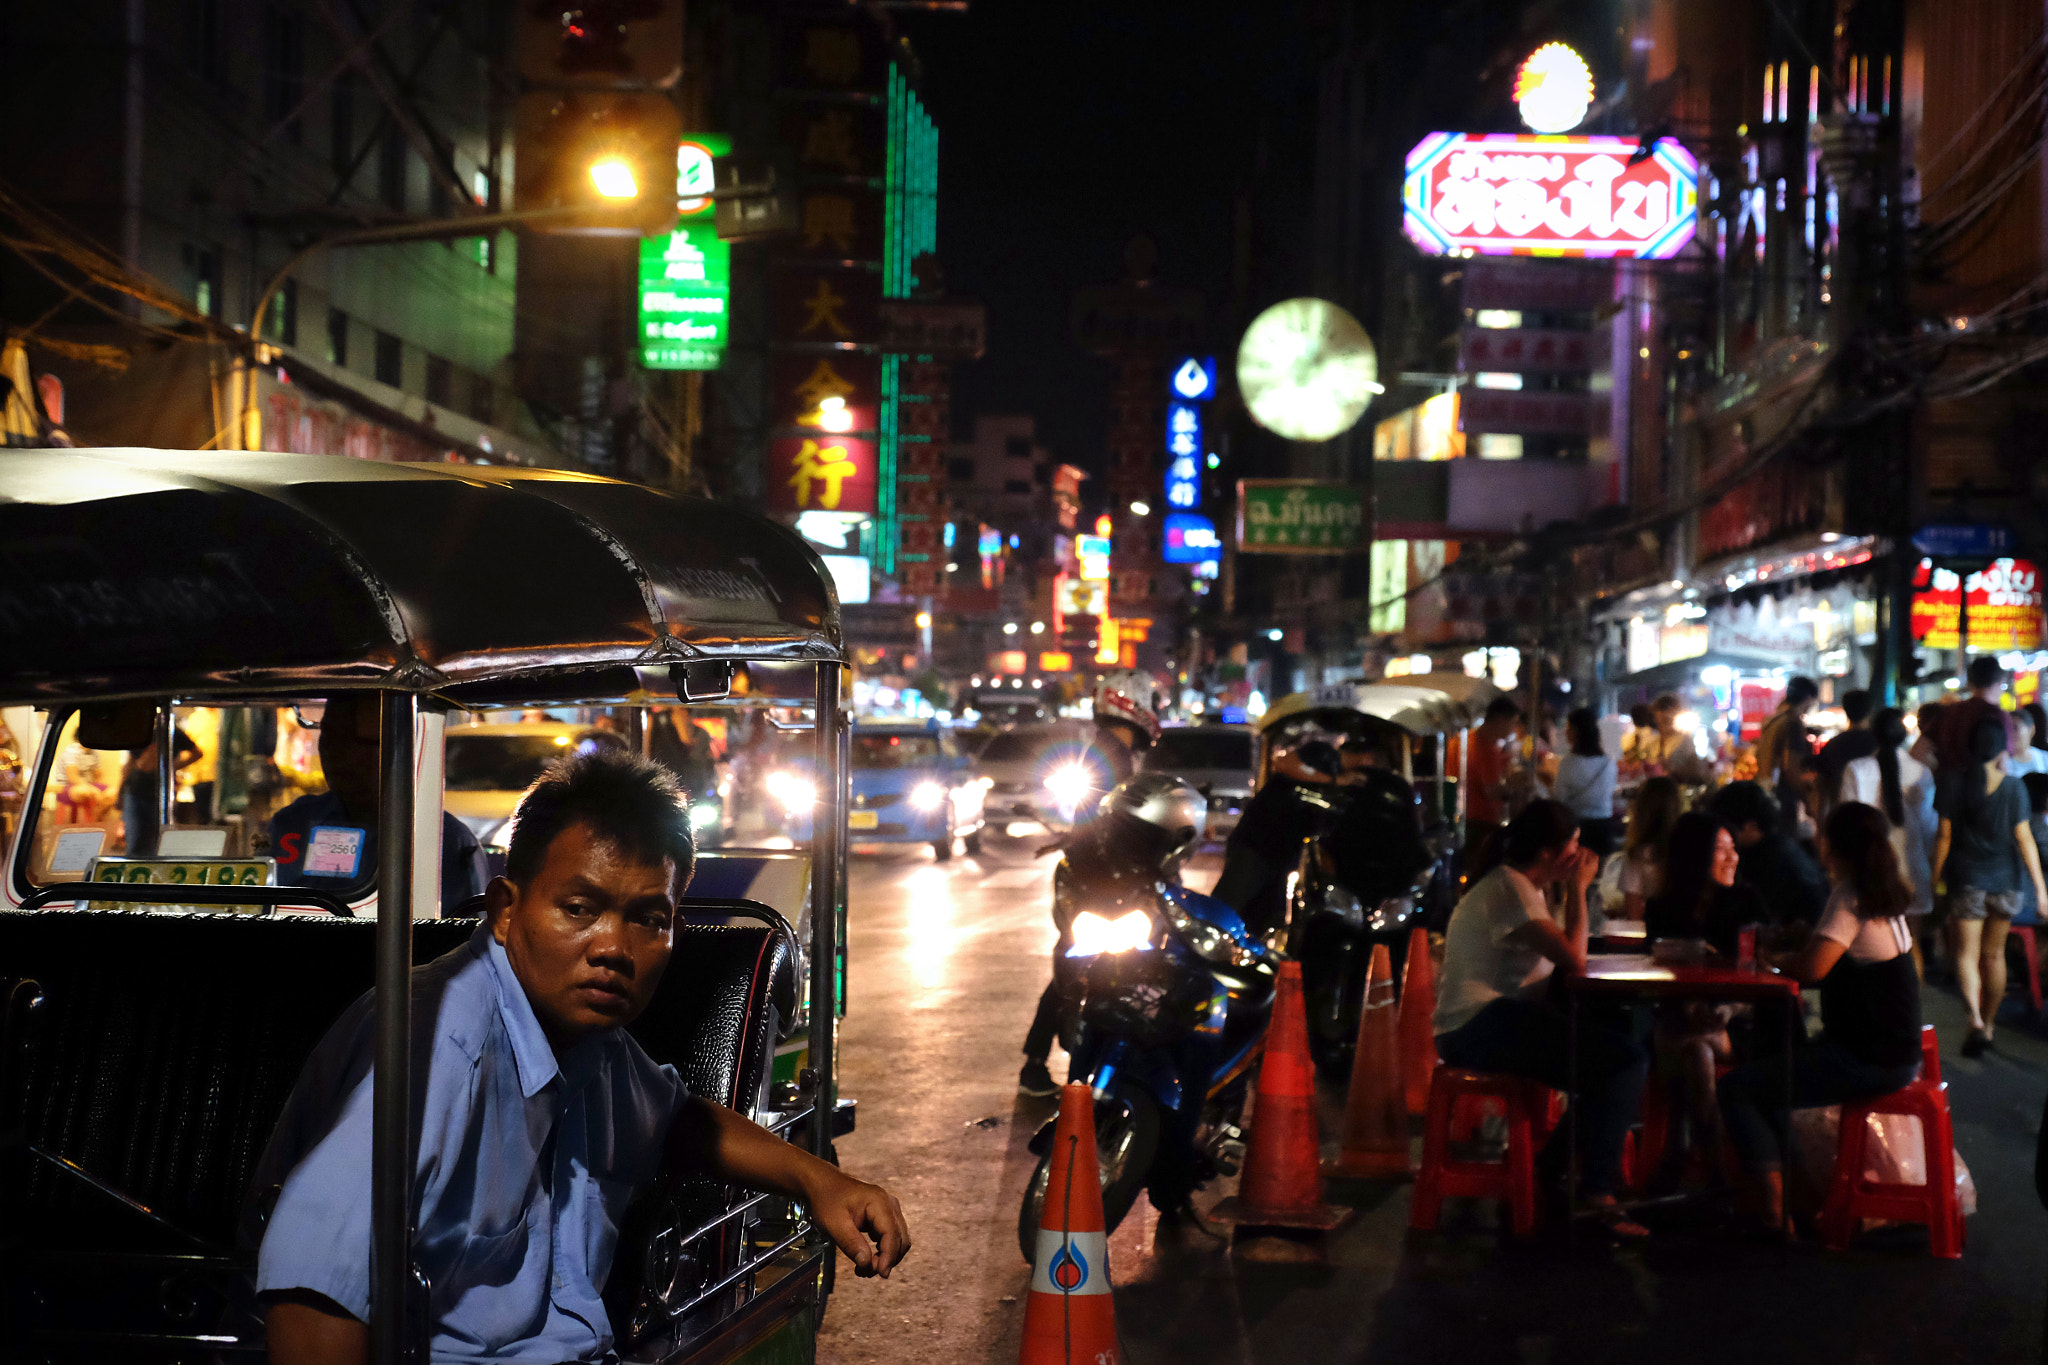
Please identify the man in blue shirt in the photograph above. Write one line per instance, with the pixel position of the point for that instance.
(329, 839)
(539, 1115)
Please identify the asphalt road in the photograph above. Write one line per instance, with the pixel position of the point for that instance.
(947, 961)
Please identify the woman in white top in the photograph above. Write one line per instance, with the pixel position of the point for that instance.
(1902, 787)
(1861, 956)
(1651, 819)
(1585, 781)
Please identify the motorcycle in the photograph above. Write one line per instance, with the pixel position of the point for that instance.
(1158, 982)
(1369, 878)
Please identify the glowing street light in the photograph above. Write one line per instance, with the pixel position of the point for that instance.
(614, 179)
(1141, 509)
(1553, 89)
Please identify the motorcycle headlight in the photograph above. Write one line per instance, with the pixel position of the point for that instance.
(1391, 912)
(703, 815)
(927, 796)
(1068, 784)
(1209, 942)
(1095, 934)
(792, 791)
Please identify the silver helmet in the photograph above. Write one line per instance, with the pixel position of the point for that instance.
(1166, 803)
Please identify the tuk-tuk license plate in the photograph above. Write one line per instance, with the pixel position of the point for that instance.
(863, 819)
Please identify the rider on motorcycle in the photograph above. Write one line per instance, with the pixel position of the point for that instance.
(1292, 806)
(1125, 726)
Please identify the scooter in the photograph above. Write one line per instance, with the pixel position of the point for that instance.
(1159, 983)
(1367, 879)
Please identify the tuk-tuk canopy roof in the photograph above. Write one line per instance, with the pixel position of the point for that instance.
(1426, 704)
(150, 572)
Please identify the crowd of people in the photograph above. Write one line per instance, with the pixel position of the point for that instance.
(1848, 865)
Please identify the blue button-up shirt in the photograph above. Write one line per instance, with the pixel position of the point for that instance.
(525, 1165)
(464, 871)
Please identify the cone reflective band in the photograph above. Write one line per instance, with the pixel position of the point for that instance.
(1069, 1316)
(1070, 1262)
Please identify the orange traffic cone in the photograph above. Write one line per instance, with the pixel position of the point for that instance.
(1282, 1185)
(1418, 1008)
(1375, 1122)
(1070, 1318)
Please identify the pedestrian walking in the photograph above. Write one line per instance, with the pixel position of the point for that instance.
(1860, 954)
(1954, 735)
(2024, 757)
(1651, 818)
(1901, 786)
(1585, 781)
(1784, 757)
(1982, 846)
(1837, 754)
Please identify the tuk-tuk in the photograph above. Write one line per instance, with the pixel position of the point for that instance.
(184, 618)
(1381, 871)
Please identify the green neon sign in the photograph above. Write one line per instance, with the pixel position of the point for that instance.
(685, 298)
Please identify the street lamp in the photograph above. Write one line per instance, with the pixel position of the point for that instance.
(1141, 509)
(614, 179)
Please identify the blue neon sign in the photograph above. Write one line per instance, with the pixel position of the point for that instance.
(1194, 379)
(1183, 455)
(1190, 539)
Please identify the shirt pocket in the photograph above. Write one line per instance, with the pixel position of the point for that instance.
(495, 1289)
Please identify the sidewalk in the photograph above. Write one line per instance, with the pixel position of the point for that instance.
(1469, 1294)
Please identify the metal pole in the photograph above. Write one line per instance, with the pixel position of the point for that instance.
(828, 856)
(391, 1156)
(166, 772)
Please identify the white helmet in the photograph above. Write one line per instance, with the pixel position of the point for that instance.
(1127, 697)
(1167, 803)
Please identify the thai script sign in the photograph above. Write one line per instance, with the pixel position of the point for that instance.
(2005, 605)
(1508, 194)
(1301, 517)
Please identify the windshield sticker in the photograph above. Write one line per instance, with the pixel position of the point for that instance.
(334, 851)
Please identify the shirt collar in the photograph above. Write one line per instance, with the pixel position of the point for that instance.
(1532, 895)
(530, 1050)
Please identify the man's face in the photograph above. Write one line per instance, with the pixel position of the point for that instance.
(349, 743)
(588, 935)
(1667, 719)
(1748, 834)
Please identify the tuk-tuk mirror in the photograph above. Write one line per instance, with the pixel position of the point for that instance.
(118, 724)
(702, 679)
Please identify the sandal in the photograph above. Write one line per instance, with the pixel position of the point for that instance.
(1615, 1219)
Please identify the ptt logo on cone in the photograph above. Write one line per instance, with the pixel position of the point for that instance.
(1067, 1263)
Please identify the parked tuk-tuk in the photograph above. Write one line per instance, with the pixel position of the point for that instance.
(173, 628)
(1390, 858)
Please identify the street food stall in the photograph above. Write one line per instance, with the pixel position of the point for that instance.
(161, 982)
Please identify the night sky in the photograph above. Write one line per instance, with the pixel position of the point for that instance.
(1067, 128)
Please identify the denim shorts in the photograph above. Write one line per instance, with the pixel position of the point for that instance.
(1968, 902)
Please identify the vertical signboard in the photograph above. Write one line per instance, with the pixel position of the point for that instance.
(685, 297)
(1183, 456)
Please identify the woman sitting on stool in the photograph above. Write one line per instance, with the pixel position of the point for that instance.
(1500, 949)
(1861, 955)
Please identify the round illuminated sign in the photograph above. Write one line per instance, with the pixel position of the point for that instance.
(1553, 89)
(1307, 370)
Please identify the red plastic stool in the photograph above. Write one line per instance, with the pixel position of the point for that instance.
(1930, 1058)
(1454, 1097)
(1852, 1197)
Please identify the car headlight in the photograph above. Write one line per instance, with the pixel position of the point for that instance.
(1069, 784)
(703, 815)
(794, 792)
(927, 796)
(1096, 934)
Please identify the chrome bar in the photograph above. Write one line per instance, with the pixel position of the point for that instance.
(166, 775)
(391, 1159)
(828, 855)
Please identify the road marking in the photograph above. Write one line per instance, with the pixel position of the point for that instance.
(1015, 878)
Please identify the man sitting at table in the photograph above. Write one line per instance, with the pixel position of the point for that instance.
(538, 1115)
(1492, 1014)
(1768, 858)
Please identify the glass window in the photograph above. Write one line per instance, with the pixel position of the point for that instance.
(489, 762)
(906, 750)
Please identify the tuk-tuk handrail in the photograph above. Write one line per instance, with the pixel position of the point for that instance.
(167, 893)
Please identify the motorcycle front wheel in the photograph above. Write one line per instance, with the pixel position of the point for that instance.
(1126, 1140)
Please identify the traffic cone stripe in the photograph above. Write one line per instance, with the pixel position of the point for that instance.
(1070, 1263)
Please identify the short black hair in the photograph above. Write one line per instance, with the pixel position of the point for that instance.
(1641, 716)
(1541, 827)
(1801, 688)
(1745, 803)
(1583, 728)
(1986, 671)
(1856, 706)
(1502, 706)
(625, 800)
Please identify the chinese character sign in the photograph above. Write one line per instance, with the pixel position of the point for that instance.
(685, 288)
(1506, 194)
(823, 473)
(1183, 455)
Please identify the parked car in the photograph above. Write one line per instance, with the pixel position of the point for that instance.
(912, 784)
(1217, 760)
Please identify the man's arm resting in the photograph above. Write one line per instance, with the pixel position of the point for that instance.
(311, 1329)
(712, 1139)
